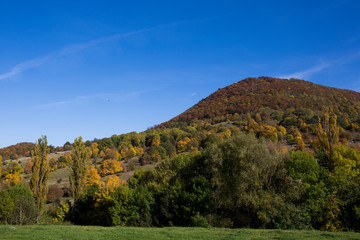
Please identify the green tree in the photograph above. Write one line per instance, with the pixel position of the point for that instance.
(303, 166)
(340, 210)
(308, 190)
(17, 205)
(40, 174)
(249, 178)
(78, 168)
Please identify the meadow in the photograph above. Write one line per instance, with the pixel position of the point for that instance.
(91, 232)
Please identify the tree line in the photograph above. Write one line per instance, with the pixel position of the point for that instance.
(238, 180)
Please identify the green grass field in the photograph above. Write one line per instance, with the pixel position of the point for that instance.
(90, 232)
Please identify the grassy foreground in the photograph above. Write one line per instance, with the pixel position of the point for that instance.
(90, 232)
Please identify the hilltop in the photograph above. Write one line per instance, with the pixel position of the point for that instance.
(275, 100)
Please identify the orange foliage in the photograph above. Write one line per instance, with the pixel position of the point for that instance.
(28, 167)
(112, 154)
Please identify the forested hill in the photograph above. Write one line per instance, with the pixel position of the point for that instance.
(19, 150)
(278, 109)
(276, 99)
(23, 149)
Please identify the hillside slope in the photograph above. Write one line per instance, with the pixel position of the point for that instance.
(18, 150)
(276, 99)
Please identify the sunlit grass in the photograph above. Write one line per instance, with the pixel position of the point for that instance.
(92, 232)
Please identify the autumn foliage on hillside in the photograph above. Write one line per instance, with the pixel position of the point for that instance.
(279, 101)
(18, 150)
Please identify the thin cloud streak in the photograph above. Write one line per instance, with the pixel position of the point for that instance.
(21, 67)
(76, 100)
(307, 73)
(105, 97)
(75, 48)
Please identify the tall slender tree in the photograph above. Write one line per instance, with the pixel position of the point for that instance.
(327, 134)
(40, 174)
(0, 165)
(78, 168)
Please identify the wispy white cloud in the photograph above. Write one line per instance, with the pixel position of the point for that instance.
(75, 48)
(104, 97)
(308, 73)
(23, 66)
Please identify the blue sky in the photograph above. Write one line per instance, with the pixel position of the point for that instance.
(98, 68)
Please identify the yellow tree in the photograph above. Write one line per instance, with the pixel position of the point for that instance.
(300, 145)
(112, 183)
(40, 174)
(94, 150)
(12, 174)
(92, 176)
(78, 168)
(182, 144)
(13, 179)
(110, 166)
(327, 134)
(61, 212)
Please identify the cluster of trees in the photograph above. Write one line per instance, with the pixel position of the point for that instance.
(240, 181)
(210, 175)
(22, 203)
(154, 145)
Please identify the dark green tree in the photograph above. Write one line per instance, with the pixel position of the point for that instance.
(249, 178)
